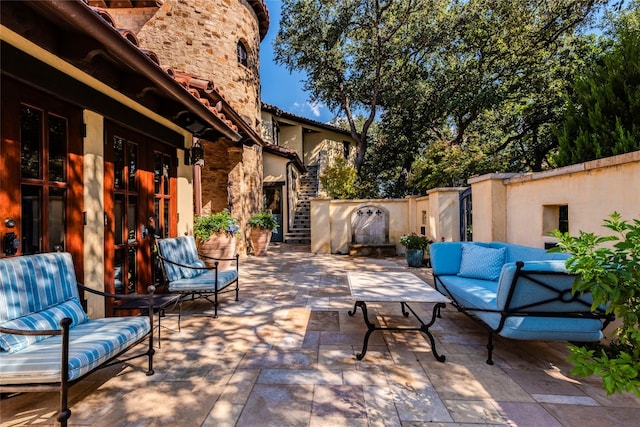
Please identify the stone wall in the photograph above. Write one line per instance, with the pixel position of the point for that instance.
(232, 179)
(132, 18)
(200, 37)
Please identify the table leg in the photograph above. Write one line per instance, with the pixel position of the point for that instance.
(370, 327)
(406, 309)
(425, 330)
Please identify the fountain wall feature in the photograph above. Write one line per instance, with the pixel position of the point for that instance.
(370, 232)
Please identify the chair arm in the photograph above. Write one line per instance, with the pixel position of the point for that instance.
(150, 290)
(32, 332)
(235, 258)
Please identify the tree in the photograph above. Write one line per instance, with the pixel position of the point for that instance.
(353, 51)
(339, 180)
(603, 114)
(495, 87)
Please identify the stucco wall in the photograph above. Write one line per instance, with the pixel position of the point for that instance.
(512, 208)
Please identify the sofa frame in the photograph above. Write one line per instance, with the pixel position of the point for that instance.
(548, 300)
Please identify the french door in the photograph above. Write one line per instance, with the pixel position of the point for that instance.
(139, 185)
(41, 200)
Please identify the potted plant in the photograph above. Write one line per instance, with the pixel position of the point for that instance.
(416, 246)
(262, 224)
(609, 268)
(215, 234)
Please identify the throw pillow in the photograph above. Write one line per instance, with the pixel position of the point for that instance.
(479, 262)
(48, 319)
(189, 273)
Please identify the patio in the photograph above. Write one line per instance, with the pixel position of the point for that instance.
(284, 355)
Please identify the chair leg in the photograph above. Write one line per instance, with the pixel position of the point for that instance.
(490, 348)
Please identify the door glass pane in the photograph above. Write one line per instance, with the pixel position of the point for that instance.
(157, 217)
(132, 277)
(118, 265)
(57, 221)
(118, 219)
(118, 163)
(30, 142)
(157, 165)
(166, 218)
(57, 148)
(132, 155)
(31, 219)
(165, 175)
(132, 219)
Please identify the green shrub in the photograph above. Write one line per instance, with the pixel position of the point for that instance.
(414, 241)
(264, 220)
(609, 268)
(339, 180)
(206, 225)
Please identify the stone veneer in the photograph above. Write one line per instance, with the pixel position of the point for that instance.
(200, 37)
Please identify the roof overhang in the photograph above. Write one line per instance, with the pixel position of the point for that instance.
(73, 32)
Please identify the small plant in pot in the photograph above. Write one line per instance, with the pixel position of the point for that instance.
(262, 224)
(216, 236)
(416, 245)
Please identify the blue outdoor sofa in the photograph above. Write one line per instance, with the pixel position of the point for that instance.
(186, 274)
(517, 292)
(47, 341)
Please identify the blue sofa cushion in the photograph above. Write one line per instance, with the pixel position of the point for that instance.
(478, 262)
(475, 293)
(91, 344)
(445, 257)
(48, 319)
(189, 273)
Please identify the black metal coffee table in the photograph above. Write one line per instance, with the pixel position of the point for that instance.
(161, 302)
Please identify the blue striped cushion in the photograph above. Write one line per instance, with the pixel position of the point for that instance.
(29, 284)
(43, 320)
(178, 249)
(205, 282)
(91, 344)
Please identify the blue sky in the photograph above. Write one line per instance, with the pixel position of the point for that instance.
(279, 87)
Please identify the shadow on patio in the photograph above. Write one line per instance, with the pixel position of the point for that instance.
(284, 355)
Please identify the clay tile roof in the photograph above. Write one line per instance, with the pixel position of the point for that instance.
(190, 82)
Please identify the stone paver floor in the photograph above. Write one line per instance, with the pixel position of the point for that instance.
(284, 355)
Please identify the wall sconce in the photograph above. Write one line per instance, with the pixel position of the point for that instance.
(197, 153)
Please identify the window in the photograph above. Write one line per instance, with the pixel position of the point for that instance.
(243, 58)
(345, 149)
(555, 217)
(43, 168)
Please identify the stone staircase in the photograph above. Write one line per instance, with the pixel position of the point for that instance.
(300, 232)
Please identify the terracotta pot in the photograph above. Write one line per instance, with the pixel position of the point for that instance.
(219, 245)
(260, 239)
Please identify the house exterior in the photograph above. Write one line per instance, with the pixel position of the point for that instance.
(296, 153)
(98, 129)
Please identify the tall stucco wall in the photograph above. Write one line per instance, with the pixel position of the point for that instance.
(523, 209)
(201, 38)
(591, 190)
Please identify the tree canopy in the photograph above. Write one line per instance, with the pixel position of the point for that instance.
(472, 85)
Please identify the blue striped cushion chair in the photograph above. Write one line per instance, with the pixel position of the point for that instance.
(37, 292)
(183, 251)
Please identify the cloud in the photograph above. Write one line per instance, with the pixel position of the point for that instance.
(315, 108)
